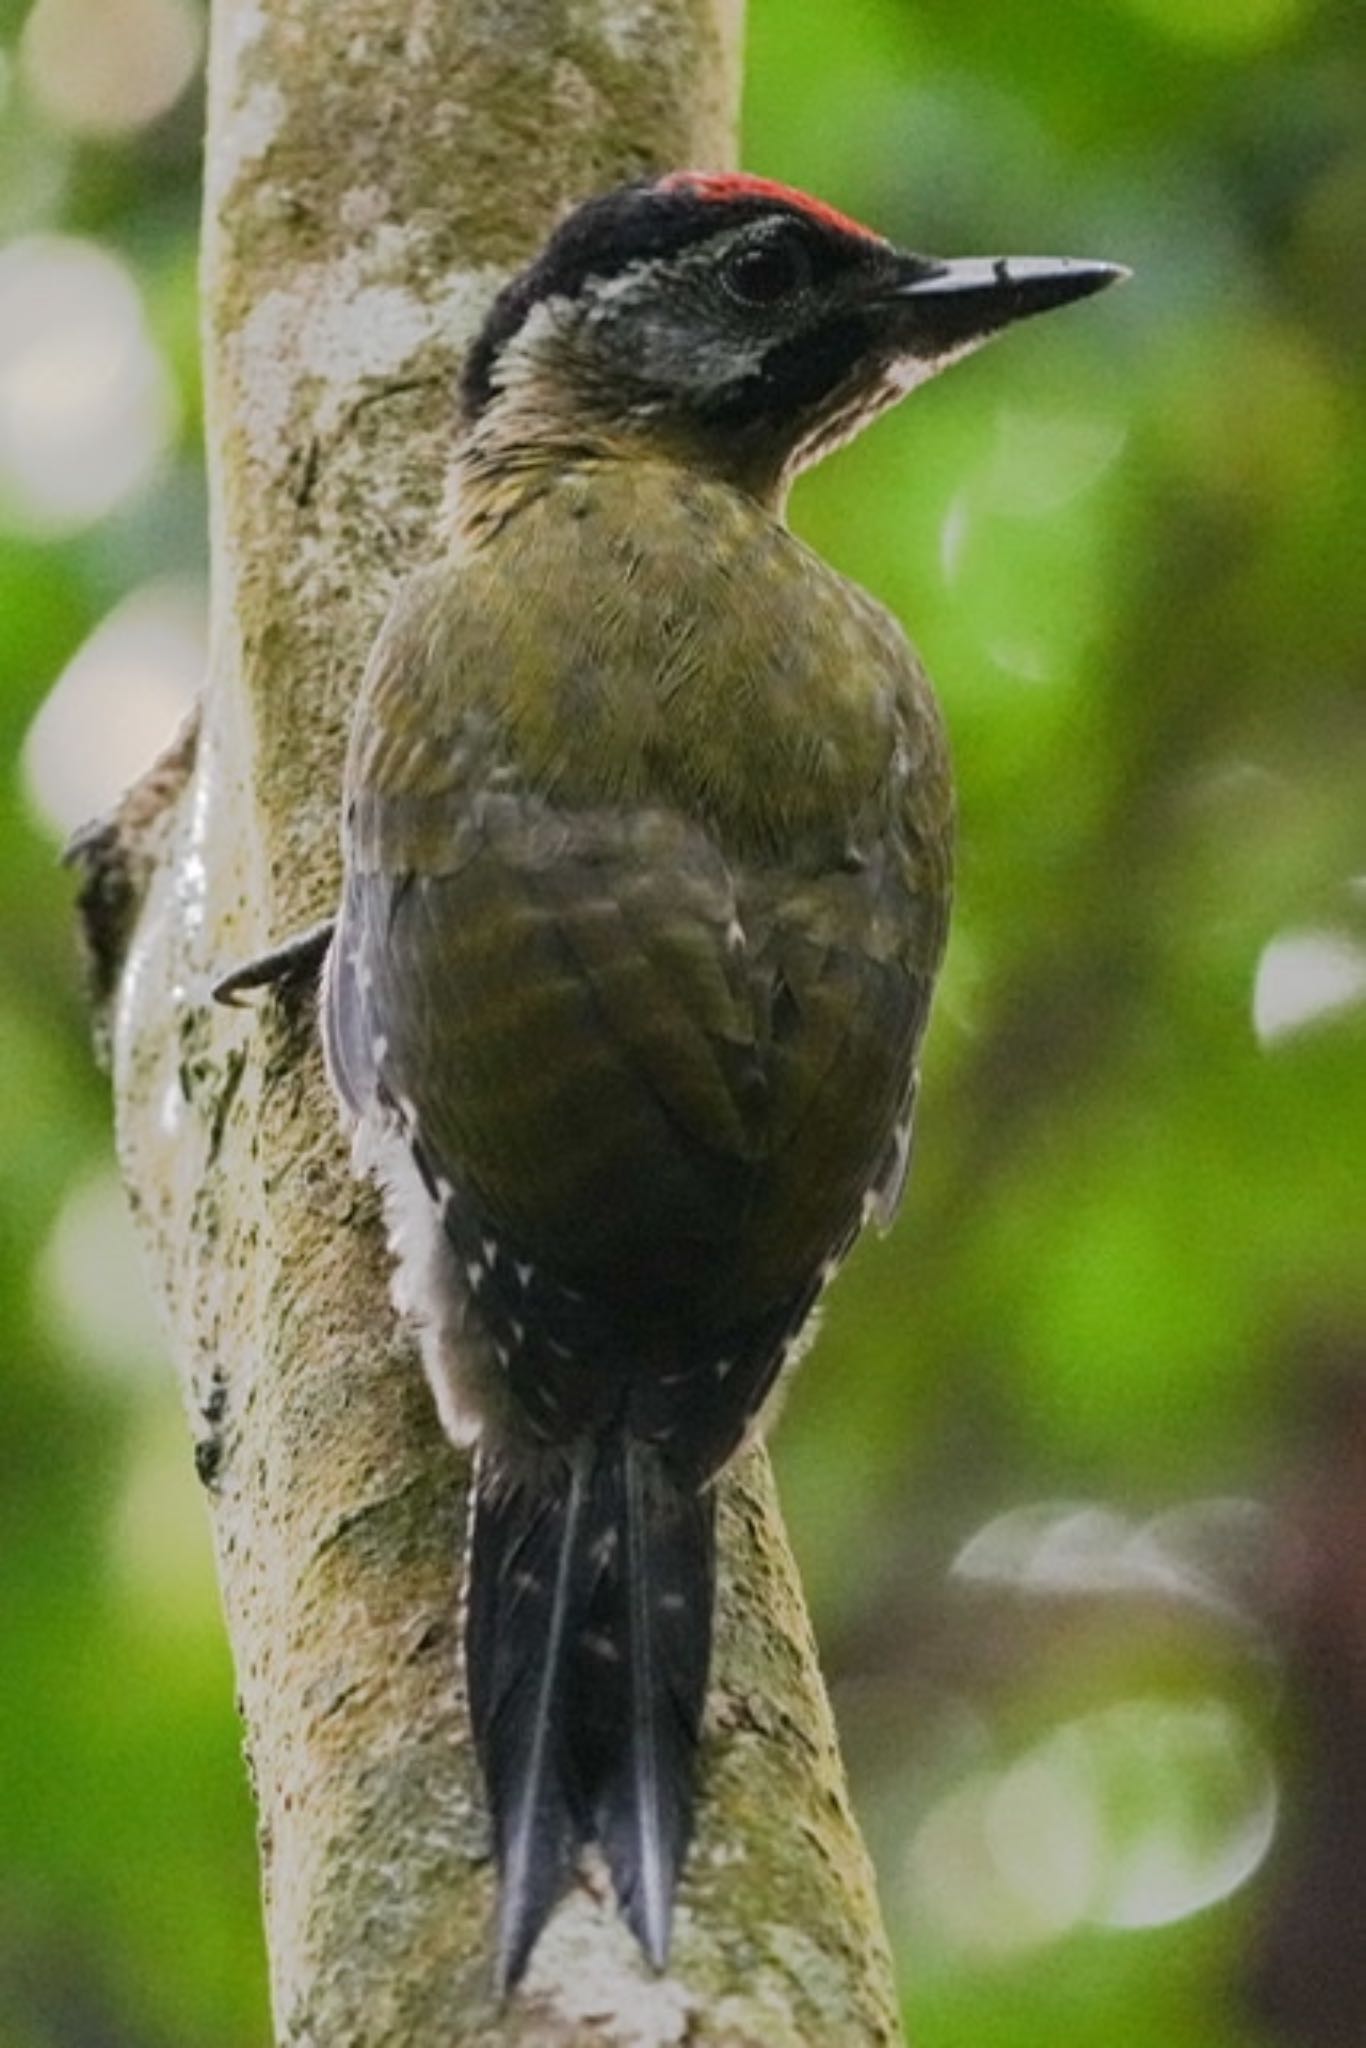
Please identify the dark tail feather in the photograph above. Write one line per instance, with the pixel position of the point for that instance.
(640, 1676)
(588, 1637)
(526, 1584)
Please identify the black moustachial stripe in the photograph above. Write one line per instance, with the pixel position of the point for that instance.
(794, 374)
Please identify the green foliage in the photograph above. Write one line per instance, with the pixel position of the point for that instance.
(1127, 541)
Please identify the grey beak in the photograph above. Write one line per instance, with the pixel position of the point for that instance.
(946, 305)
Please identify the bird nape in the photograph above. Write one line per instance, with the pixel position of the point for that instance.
(648, 839)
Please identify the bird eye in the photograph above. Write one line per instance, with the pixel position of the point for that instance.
(774, 270)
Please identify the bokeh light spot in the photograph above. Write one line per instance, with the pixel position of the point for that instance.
(1042, 460)
(1184, 1799)
(1304, 978)
(106, 67)
(86, 403)
(1139, 1814)
(961, 1891)
(1213, 1554)
(91, 1286)
(116, 703)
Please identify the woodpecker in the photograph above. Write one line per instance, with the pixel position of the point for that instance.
(648, 830)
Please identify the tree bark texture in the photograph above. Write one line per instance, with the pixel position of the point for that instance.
(374, 169)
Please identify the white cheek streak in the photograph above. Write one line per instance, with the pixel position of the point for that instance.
(911, 372)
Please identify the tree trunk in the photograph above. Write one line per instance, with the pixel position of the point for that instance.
(374, 168)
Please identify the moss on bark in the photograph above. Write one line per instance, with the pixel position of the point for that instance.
(374, 166)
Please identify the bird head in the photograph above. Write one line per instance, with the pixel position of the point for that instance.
(735, 323)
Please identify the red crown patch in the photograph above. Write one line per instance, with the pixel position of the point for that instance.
(729, 185)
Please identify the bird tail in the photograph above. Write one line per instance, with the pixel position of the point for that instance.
(642, 1676)
(588, 1639)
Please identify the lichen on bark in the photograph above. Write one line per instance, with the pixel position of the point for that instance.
(374, 167)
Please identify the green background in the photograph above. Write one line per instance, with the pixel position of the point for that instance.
(1074, 1470)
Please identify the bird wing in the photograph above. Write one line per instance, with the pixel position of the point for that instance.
(558, 1005)
(654, 1062)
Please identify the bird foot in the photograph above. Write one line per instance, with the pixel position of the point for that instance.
(294, 966)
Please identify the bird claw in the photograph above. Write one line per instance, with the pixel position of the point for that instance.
(295, 964)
